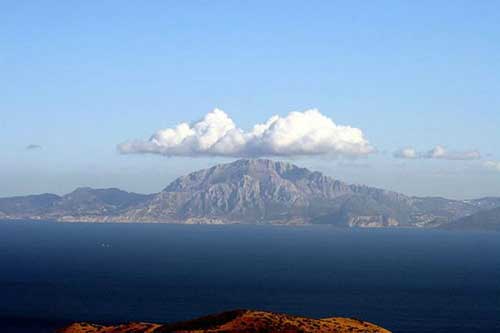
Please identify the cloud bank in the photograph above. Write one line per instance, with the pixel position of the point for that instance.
(492, 165)
(298, 133)
(438, 152)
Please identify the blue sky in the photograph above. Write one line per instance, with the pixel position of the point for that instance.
(80, 77)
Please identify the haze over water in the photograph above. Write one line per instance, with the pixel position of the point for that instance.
(404, 280)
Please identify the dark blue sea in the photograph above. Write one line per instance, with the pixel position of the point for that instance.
(405, 280)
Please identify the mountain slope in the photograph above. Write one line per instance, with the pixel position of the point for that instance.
(239, 321)
(483, 220)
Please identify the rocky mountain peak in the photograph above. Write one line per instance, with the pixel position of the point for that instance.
(262, 170)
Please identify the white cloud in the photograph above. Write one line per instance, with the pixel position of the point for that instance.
(492, 165)
(298, 133)
(438, 152)
(408, 153)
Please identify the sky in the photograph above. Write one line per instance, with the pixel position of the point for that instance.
(401, 95)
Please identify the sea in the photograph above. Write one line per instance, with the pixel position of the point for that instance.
(405, 280)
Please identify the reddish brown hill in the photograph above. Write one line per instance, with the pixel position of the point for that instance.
(238, 321)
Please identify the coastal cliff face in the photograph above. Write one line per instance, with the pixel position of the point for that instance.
(238, 321)
(248, 191)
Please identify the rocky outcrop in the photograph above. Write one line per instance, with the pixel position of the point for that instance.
(239, 321)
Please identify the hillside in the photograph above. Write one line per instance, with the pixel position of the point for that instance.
(84, 201)
(239, 321)
(484, 220)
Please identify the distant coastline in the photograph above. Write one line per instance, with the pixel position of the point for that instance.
(256, 192)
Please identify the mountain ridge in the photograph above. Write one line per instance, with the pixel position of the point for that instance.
(249, 191)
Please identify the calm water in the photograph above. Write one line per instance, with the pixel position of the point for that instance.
(405, 280)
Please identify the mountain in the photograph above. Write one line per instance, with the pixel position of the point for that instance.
(98, 201)
(28, 205)
(249, 191)
(265, 191)
(483, 220)
(239, 321)
(83, 201)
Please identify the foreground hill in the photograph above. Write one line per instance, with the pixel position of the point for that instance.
(249, 191)
(239, 321)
